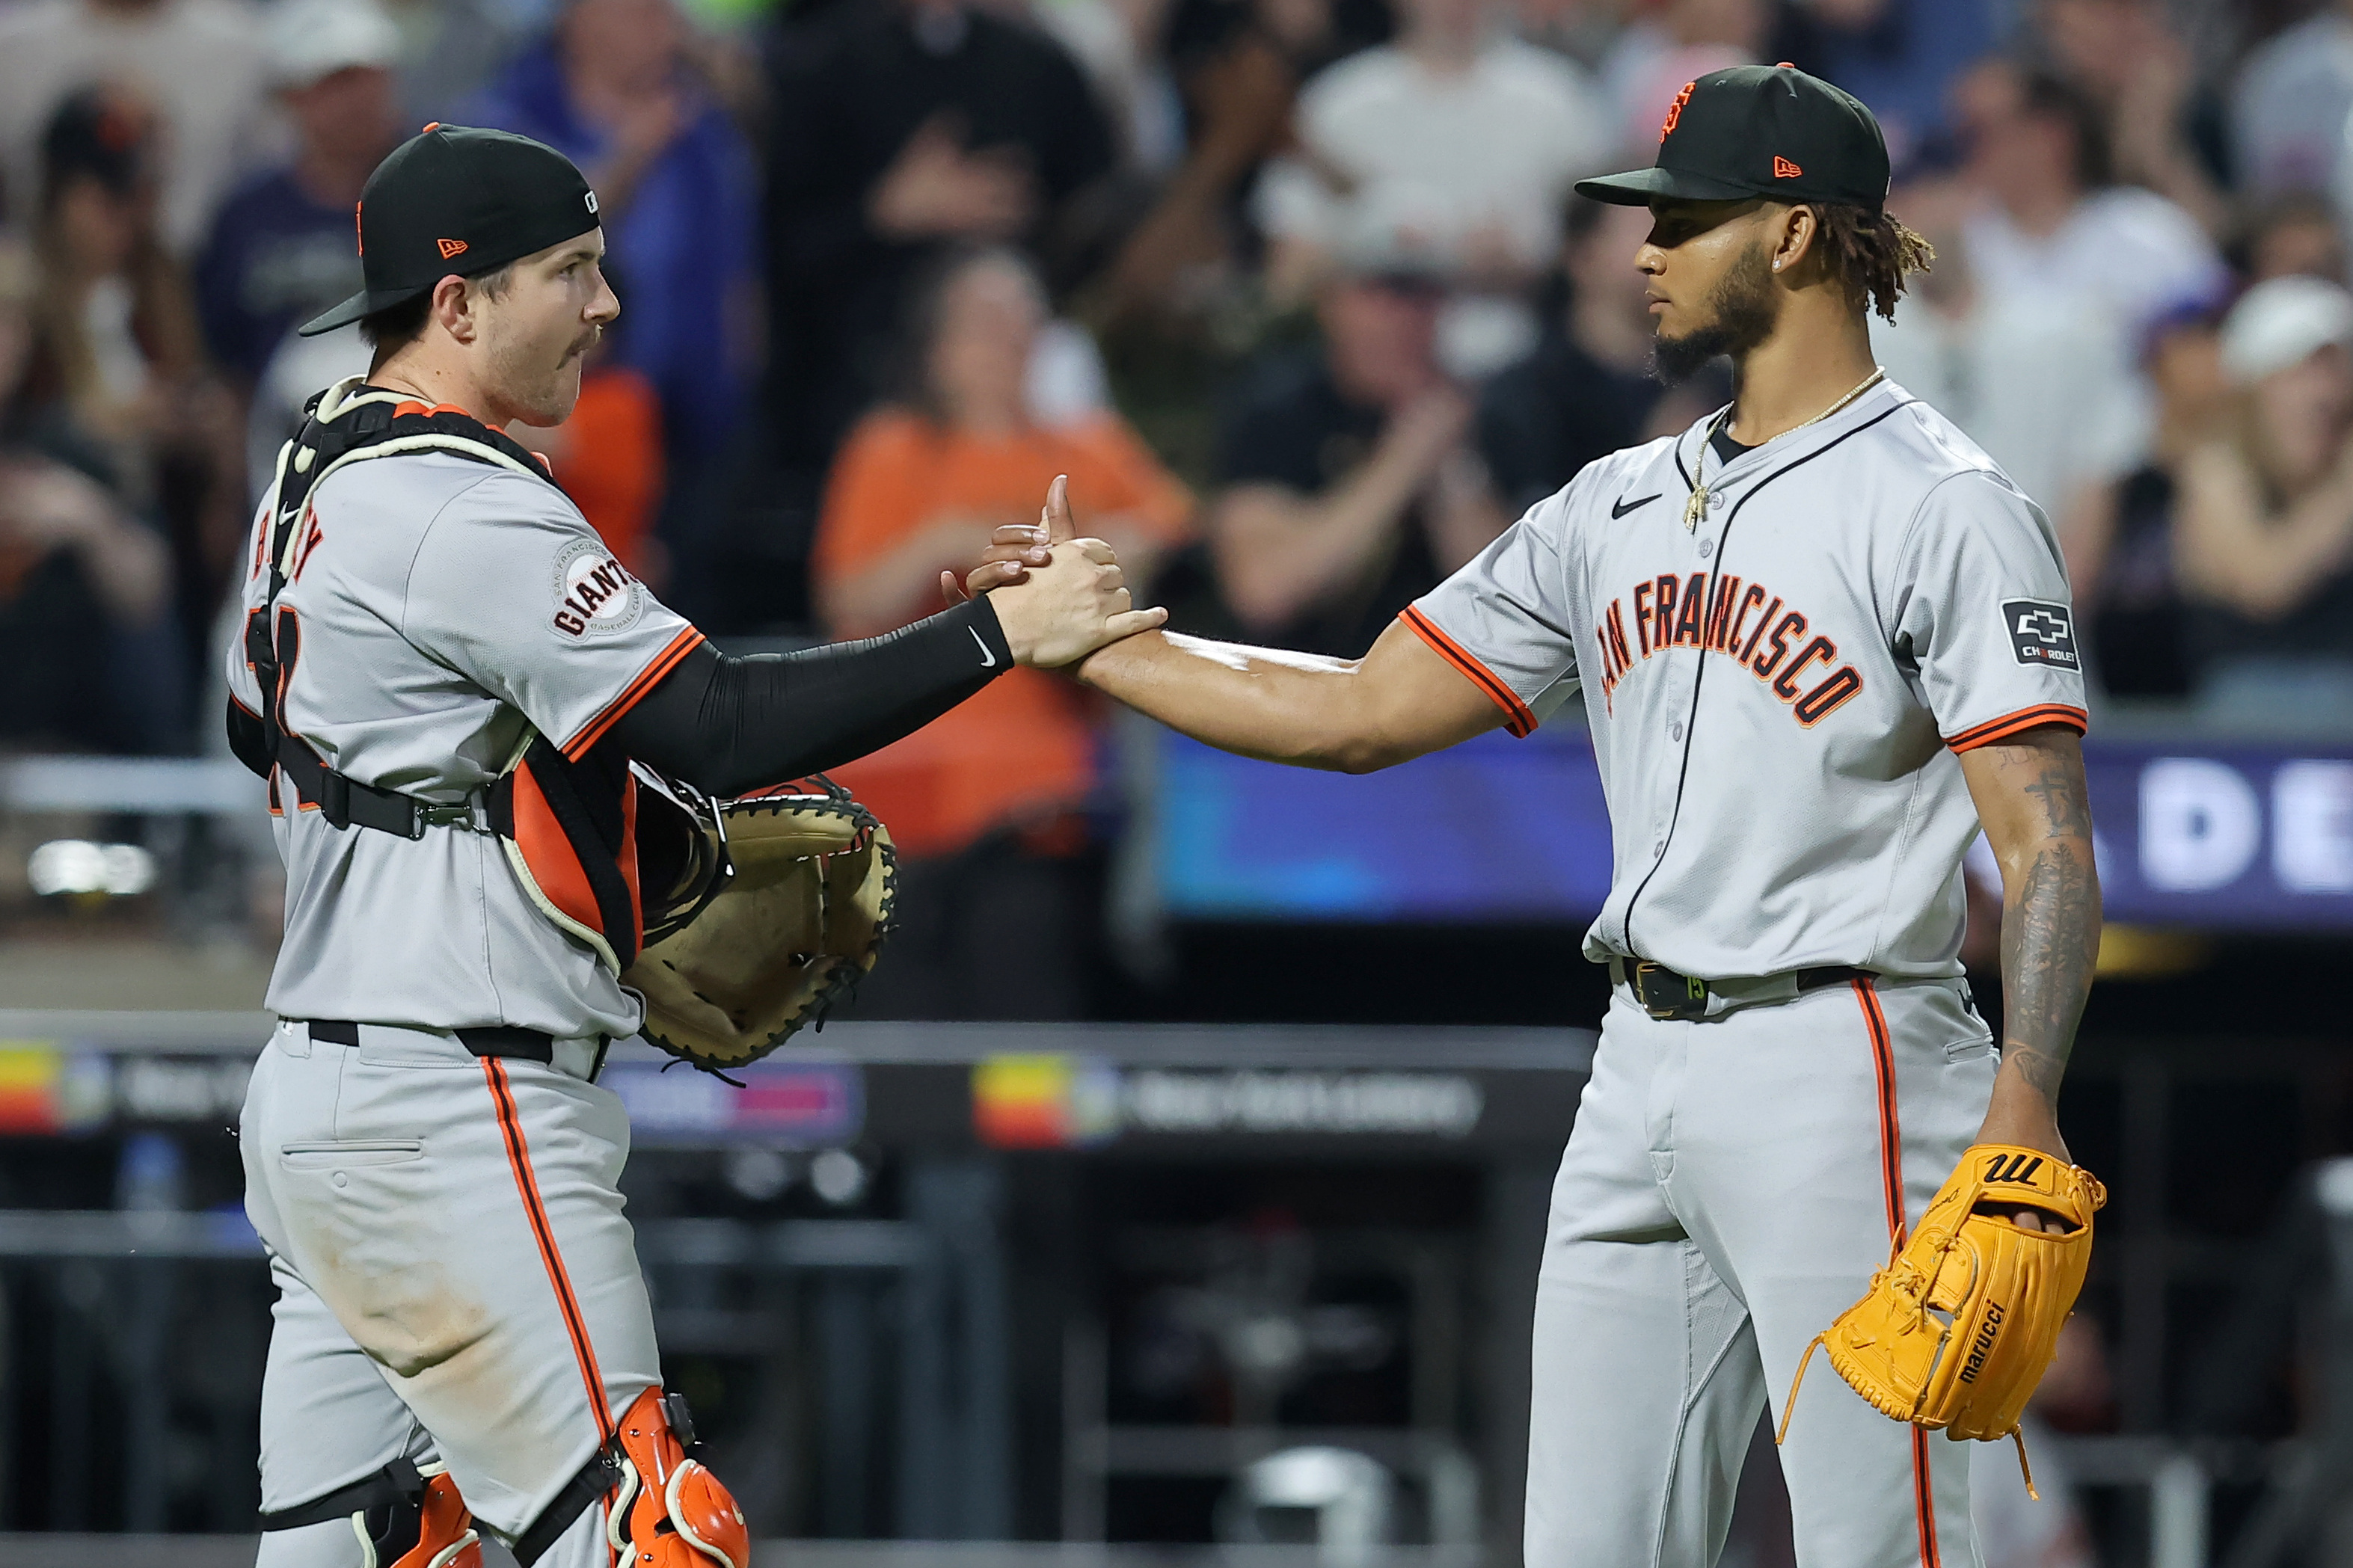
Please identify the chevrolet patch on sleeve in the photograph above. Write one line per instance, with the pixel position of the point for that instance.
(2041, 633)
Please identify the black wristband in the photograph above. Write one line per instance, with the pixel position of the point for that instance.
(984, 621)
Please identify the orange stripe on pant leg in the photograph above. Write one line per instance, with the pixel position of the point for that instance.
(519, 1158)
(1890, 1180)
(1924, 1498)
(1891, 1127)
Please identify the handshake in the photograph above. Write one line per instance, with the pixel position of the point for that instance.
(1058, 598)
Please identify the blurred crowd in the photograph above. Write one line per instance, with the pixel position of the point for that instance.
(1295, 290)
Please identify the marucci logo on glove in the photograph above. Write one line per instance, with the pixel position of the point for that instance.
(2013, 1168)
(2041, 633)
(1984, 1345)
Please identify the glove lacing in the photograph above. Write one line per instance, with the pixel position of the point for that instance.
(1912, 1285)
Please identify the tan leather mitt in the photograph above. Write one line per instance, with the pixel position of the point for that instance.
(774, 906)
(1957, 1331)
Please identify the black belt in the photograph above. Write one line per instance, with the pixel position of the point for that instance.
(493, 1040)
(1664, 993)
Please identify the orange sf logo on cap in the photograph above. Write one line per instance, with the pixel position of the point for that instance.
(450, 247)
(1675, 111)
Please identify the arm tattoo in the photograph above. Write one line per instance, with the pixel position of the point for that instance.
(2050, 921)
(2061, 791)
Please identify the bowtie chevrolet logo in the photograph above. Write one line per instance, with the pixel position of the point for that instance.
(2044, 626)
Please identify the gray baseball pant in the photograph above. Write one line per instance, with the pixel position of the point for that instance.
(456, 1280)
(1729, 1189)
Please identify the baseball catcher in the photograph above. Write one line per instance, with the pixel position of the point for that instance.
(525, 809)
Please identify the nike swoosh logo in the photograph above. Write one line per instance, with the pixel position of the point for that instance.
(988, 660)
(1621, 505)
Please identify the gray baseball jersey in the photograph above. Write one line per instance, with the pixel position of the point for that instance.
(1776, 694)
(443, 606)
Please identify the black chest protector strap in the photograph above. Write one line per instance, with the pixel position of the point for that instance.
(348, 423)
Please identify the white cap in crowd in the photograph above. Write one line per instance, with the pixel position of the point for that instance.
(312, 39)
(2280, 321)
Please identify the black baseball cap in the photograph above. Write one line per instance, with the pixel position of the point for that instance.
(1759, 131)
(455, 199)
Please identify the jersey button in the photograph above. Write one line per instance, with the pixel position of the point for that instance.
(1706, 548)
(1659, 850)
(1675, 731)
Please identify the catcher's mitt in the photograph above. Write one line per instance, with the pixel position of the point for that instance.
(770, 907)
(1955, 1332)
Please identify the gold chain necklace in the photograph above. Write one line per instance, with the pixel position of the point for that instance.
(1696, 508)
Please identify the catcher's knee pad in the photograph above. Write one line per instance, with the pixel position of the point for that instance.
(669, 1511)
(406, 1516)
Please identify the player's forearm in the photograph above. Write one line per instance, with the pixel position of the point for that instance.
(1277, 706)
(2050, 944)
(2051, 911)
(731, 725)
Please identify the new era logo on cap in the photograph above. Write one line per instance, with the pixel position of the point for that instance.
(1784, 170)
(450, 247)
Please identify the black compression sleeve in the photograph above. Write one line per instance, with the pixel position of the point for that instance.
(729, 725)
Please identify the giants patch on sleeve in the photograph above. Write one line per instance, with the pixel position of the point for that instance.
(594, 593)
(2041, 633)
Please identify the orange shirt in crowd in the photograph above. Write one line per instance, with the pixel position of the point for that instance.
(609, 458)
(1022, 750)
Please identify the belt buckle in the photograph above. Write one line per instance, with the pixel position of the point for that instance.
(468, 815)
(1665, 995)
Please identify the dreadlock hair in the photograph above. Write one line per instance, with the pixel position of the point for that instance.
(1872, 253)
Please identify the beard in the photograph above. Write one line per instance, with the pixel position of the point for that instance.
(1743, 307)
(542, 393)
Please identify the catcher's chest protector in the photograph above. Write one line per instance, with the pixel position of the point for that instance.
(568, 828)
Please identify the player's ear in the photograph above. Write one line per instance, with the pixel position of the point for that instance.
(453, 308)
(1792, 233)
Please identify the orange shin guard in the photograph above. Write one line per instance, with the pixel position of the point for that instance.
(445, 1527)
(669, 1511)
(405, 1515)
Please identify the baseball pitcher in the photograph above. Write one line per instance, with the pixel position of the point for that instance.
(1821, 639)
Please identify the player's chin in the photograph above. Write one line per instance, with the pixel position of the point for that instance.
(552, 404)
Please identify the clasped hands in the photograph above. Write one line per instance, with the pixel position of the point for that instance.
(1059, 597)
